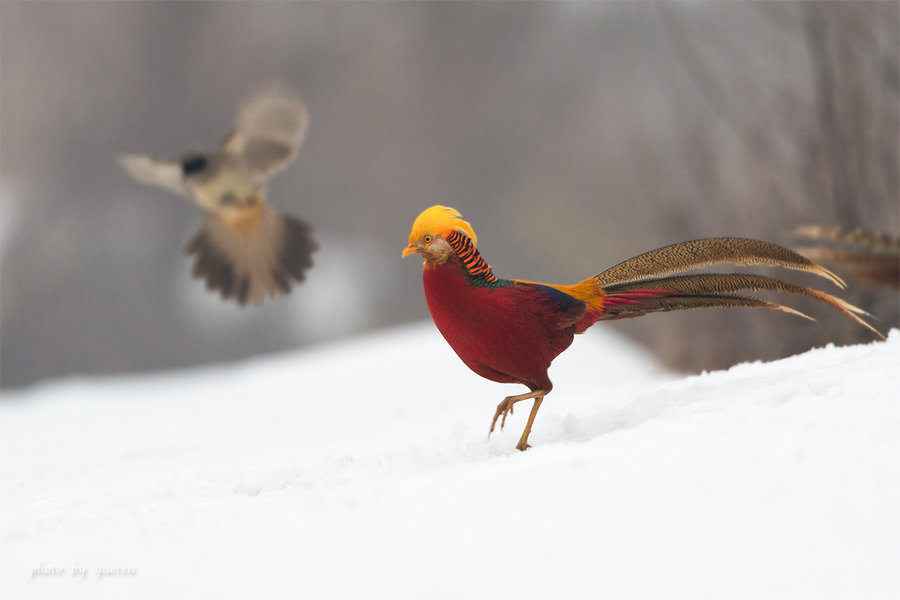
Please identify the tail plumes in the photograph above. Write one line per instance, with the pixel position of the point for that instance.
(696, 254)
(861, 238)
(646, 283)
(864, 255)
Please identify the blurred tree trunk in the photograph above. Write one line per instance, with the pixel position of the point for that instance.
(826, 149)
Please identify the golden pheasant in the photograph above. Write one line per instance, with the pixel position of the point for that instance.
(509, 331)
(246, 250)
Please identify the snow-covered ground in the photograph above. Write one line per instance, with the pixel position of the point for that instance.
(363, 469)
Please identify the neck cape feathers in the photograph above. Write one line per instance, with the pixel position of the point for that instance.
(456, 231)
(470, 257)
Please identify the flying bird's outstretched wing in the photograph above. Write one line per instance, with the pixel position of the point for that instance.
(166, 174)
(269, 131)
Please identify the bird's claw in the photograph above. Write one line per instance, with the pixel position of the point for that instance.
(504, 408)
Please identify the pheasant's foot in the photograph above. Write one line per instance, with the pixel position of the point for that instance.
(504, 408)
(523, 444)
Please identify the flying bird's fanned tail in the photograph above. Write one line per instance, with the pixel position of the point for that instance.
(257, 257)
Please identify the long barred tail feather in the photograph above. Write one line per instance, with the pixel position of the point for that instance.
(675, 302)
(666, 292)
(653, 281)
(856, 237)
(635, 296)
(865, 255)
(882, 269)
(696, 254)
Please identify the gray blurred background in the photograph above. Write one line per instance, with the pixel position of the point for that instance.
(572, 135)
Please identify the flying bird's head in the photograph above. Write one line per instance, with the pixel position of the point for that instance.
(193, 163)
(428, 237)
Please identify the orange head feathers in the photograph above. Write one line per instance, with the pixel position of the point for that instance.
(437, 221)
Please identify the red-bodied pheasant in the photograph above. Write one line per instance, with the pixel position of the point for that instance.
(510, 331)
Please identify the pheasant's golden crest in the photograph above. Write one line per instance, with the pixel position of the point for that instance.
(440, 220)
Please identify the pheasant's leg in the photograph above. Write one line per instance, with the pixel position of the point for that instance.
(523, 441)
(507, 407)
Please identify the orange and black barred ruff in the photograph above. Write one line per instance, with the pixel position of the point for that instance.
(470, 257)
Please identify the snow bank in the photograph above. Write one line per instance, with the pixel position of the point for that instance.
(363, 469)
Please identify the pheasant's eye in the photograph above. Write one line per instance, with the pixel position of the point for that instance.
(427, 239)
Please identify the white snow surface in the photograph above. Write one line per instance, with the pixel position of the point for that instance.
(363, 469)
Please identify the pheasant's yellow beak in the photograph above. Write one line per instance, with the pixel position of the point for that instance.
(411, 249)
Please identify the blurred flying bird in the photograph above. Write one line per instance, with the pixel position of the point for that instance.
(509, 331)
(866, 255)
(246, 249)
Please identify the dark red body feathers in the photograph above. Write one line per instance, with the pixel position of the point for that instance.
(506, 331)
